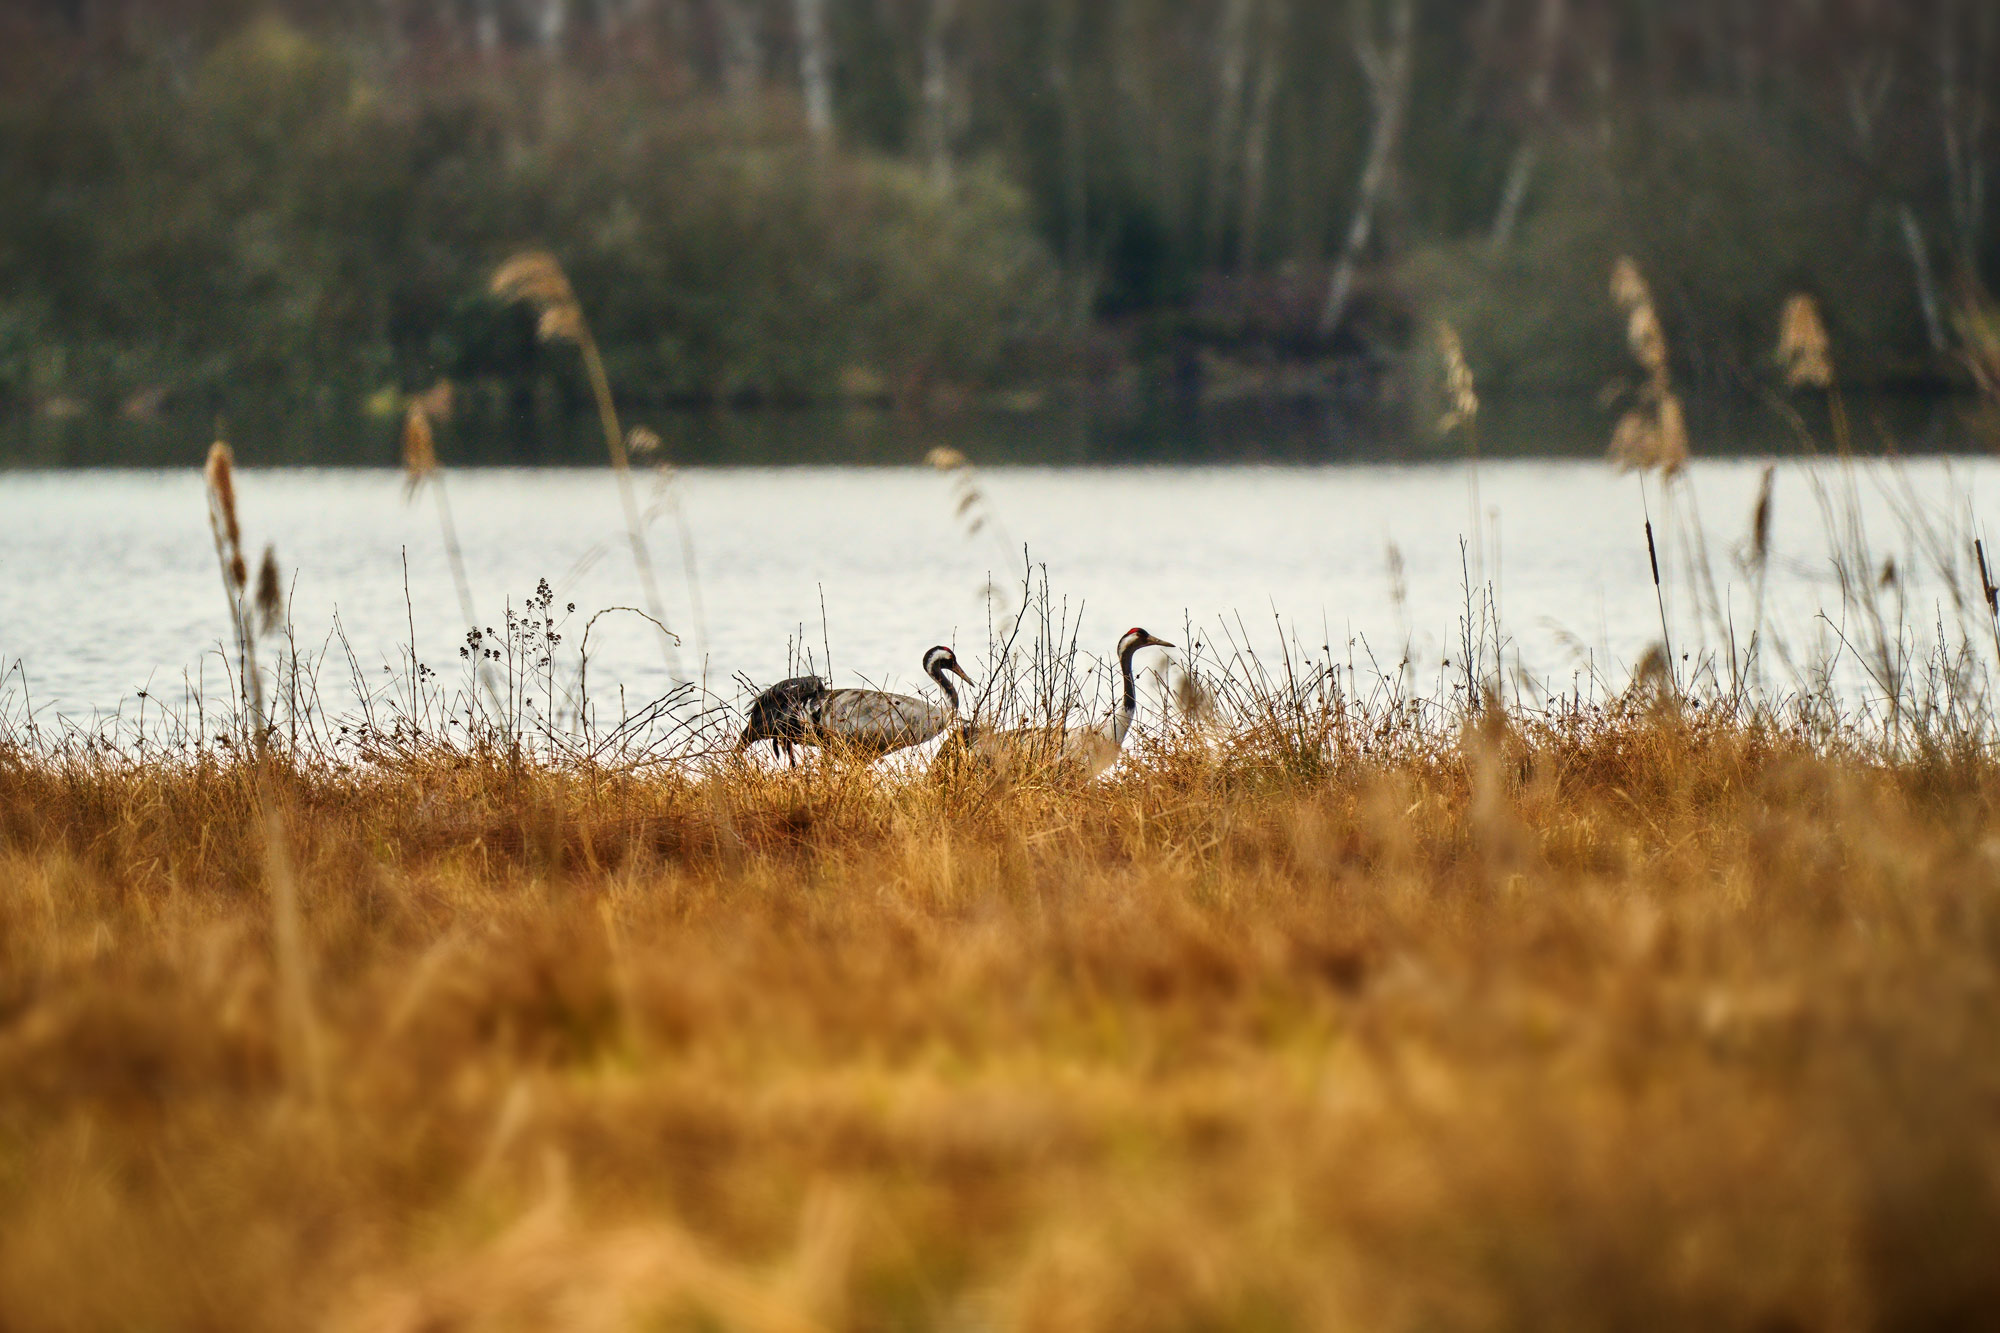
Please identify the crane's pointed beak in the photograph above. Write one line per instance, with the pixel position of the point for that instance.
(1152, 642)
(959, 671)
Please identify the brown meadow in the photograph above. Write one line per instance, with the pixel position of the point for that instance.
(1331, 1007)
(1616, 1019)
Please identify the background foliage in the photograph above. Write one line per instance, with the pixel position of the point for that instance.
(208, 200)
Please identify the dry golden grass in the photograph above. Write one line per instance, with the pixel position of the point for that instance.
(1618, 1023)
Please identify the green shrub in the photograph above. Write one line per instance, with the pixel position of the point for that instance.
(278, 224)
(1725, 214)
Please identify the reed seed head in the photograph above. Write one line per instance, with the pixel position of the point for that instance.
(1632, 442)
(419, 447)
(220, 472)
(270, 599)
(1628, 286)
(1642, 323)
(535, 278)
(438, 400)
(1647, 340)
(1458, 381)
(945, 458)
(1673, 436)
(641, 441)
(1653, 433)
(1803, 348)
(1978, 326)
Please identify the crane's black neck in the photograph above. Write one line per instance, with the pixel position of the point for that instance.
(936, 671)
(1128, 705)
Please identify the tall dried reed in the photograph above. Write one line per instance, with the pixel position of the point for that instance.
(421, 470)
(973, 509)
(296, 1022)
(1652, 433)
(219, 473)
(536, 279)
(645, 443)
(1462, 414)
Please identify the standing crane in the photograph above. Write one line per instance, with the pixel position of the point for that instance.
(803, 711)
(1089, 748)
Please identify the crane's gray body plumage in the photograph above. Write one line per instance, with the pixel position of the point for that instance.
(876, 722)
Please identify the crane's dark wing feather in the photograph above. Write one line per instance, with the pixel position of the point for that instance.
(787, 711)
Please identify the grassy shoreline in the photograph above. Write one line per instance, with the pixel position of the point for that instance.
(1633, 1020)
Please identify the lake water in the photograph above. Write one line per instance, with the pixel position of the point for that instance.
(108, 579)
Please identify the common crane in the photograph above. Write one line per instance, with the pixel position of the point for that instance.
(803, 711)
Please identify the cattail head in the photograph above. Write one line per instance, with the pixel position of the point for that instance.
(1457, 381)
(220, 473)
(535, 278)
(1803, 349)
(270, 599)
(1760, 521)
(419, 447)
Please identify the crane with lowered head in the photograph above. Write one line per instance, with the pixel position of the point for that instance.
(805, 711)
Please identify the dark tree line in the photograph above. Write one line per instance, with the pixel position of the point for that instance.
(1243, 194)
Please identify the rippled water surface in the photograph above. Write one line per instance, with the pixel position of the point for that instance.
(108, 579)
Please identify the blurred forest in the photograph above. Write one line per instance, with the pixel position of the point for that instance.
(945, 202)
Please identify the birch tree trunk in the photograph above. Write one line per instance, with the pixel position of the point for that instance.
(1257, 134)
(1962, 117)
(815, 76)
(1388, 73)
(937, 94)
(1076, 184)
(551, 23)
(740, 57)
(1867, 85)
(1920, 263)
(1232, 61)
(486, 28)
(1548, 31)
